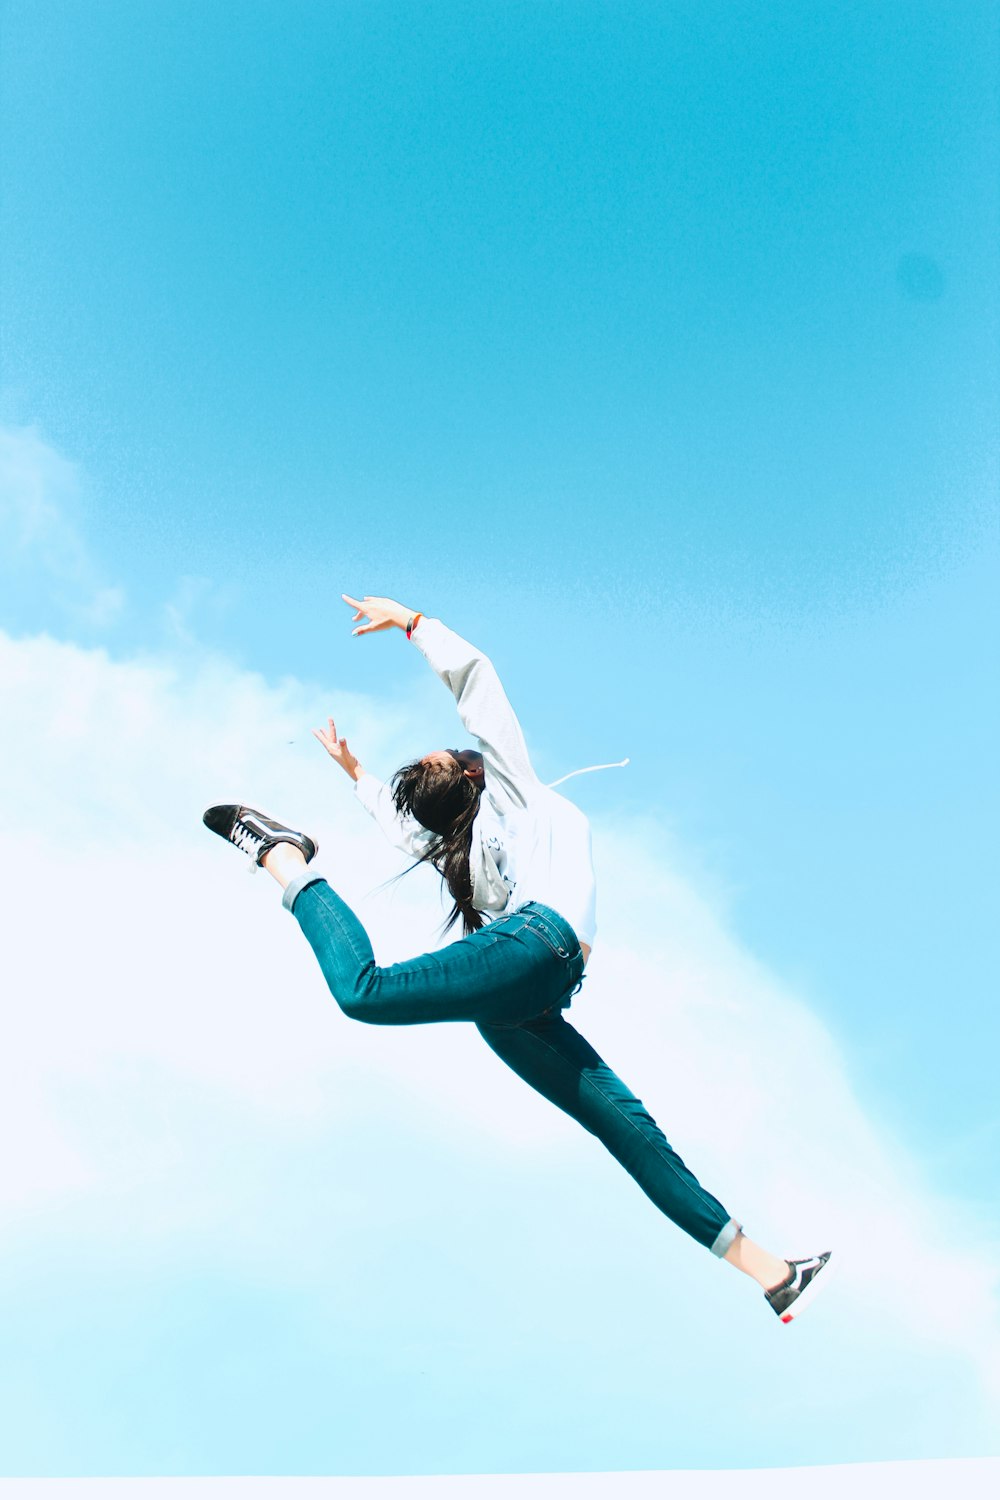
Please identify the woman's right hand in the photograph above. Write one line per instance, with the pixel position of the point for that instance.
(382, 613)
(338, 750)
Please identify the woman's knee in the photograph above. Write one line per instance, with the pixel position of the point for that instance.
(353, 1008)
(359, 1002)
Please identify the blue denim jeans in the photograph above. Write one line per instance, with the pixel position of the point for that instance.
(512, 980)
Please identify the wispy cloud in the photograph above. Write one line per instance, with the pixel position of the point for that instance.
(41, 539)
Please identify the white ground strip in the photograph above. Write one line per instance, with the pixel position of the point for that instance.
(926, 1479)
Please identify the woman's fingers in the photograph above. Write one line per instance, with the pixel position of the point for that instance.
(358, 607)
(379, 613)
(360, 611)
(328, 738)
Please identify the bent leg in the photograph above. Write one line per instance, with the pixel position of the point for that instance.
(492, 976)
(556, 1061)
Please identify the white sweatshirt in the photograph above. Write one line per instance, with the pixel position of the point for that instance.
(528, 842)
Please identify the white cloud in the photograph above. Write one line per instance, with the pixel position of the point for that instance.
(162, 1007)
(765, 1094)
(40, 534)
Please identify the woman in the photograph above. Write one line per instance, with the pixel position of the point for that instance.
(511, 850)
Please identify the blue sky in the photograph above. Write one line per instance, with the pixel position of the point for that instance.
(654, 347)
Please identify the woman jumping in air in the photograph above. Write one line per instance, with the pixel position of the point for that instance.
(516, 859)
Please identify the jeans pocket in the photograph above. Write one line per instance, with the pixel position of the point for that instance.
(548, 934)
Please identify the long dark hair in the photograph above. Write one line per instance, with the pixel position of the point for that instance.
(445, 801)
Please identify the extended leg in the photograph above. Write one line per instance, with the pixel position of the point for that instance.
(556, 1061)
(498, 975)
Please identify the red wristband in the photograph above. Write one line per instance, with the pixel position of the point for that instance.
(412, 623)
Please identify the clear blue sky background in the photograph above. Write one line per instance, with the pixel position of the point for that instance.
(654, 346)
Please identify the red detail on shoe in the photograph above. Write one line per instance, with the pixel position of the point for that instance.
(787, 1317)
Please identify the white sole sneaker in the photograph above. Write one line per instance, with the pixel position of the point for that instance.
(792, 1298)
(255, 834)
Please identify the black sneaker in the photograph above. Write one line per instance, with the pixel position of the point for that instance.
(254, 833)
(792, 1296)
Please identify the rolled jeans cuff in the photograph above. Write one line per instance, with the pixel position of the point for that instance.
(305, 877)
(725, 1238)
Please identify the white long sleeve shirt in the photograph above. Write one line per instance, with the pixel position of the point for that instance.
(528, 842)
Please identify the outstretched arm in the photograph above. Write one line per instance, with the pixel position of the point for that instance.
(472, 679)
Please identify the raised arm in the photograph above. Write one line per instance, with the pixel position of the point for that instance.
(375, 797)
(479, 696)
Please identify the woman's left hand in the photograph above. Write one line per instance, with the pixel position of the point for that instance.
(339, 750)
(382, 613)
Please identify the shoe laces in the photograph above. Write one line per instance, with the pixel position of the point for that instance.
(249, 842)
